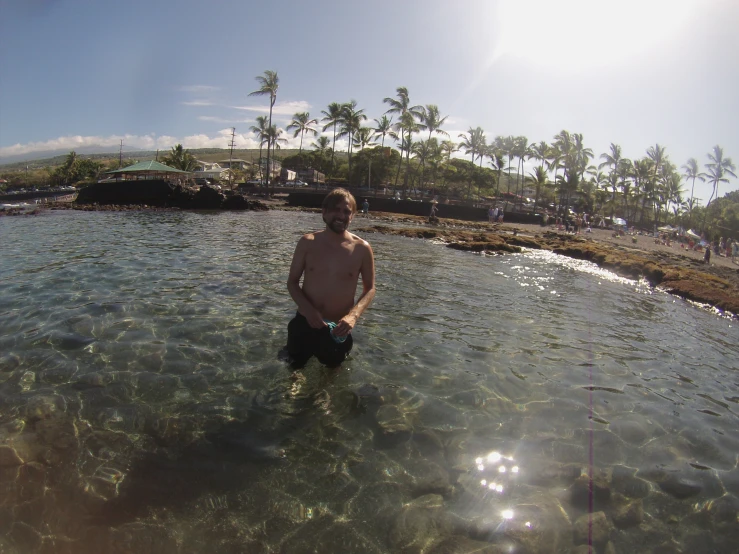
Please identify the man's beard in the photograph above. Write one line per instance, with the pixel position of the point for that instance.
(337, 225)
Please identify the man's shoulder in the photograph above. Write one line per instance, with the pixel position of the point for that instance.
(358, 240)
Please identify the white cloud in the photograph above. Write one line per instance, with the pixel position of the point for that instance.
(197, 103)
(197, 89)
(283, 108)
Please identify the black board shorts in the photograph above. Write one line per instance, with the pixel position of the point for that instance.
(303, 341)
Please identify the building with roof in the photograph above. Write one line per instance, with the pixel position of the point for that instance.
(148, 170)
(235, 164)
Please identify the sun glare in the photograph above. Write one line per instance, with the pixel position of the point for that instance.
(580, 34)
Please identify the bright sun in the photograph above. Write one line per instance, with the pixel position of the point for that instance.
(579, 34)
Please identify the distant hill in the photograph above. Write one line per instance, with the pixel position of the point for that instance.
(40, 160)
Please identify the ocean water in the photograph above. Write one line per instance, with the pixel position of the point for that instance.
(145, 407)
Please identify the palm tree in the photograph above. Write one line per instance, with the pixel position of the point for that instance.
(322, 145)
(657, 154)
(260, 129)
(507, 145)
(302, 124)
(274, 138)
(179, 158)
(402, 106)
(363, 137)
(268, 85)
(385, 127)
(332, 117)
(718, 170)
(473, 143)
(522, 151)
(351, 121)
(540, 177)
(613, 160)
(692, 172)
(431, 119)
(407, 126)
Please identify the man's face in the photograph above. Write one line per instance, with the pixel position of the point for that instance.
(339, 217)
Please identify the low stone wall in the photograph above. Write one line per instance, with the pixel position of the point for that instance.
(410, 207)
(160, 194)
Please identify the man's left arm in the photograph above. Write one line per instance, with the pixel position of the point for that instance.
(367, 271)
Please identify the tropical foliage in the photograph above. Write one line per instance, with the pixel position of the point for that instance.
(179, 158)
(559, 175)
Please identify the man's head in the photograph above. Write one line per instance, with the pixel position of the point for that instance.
(339, 208)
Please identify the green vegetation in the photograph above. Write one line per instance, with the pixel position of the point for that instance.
(645, 191)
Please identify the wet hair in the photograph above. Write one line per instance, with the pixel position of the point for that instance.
(337, 195)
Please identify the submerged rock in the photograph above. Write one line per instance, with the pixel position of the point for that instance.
(679, 487)
(601, 529)
(580, 492)
(418, 523)
(9, 457)
(628, 514)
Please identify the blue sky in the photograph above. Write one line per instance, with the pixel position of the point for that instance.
(77, 74)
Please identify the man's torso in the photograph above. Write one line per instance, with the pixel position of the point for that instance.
(331, 274)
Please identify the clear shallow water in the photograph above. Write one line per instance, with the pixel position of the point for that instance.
(143, 406)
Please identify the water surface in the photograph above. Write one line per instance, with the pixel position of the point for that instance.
(144, 406)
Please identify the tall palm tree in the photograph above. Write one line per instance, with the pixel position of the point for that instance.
(718, 170)
(384, 128)
(657, 154)
(522, 151)
(473, 143)
(332, 117)
(268, 85)
(692, 172)
(401, 106)
(431, 120)
(407, 126)
(260, 129)
(351, 121)
(275, 138)
(612, 159)
(540, 177)
(302, 124)
(507, 145)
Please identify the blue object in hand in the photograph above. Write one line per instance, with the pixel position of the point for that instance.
(331, 327)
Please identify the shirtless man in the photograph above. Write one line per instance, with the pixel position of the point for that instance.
(330, 262)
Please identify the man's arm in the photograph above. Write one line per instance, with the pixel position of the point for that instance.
(297, 267)
(367, 271)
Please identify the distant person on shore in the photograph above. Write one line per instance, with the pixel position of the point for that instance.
(490, 215)
(365, 207)
(330, 262)
(707, 255)
(433, 218)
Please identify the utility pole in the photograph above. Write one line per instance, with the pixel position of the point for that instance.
(120, 156)
(369, 177)
(230, 159)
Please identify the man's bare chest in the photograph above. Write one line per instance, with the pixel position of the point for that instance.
(334, 263)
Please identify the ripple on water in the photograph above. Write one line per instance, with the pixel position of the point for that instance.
(149, 391)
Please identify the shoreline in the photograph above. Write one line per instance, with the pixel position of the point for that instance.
(675, 270)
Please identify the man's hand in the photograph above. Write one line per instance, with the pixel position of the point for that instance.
(315, 319)
(345, 325)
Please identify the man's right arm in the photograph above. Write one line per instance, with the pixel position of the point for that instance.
(297, 267)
